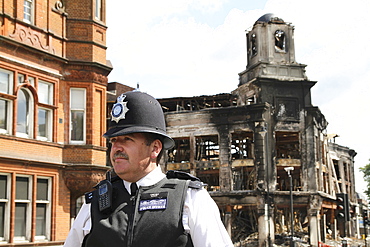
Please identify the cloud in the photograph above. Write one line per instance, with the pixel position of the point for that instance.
(171, 54)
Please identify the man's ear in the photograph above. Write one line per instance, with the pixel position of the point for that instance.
(156, 148)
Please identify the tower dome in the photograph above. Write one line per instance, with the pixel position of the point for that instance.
(269, 18)
(271, 54)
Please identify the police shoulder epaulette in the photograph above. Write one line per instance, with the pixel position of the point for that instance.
(194, 182)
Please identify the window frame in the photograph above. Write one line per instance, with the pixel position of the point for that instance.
(8, 117)
(50, 91)
(7, 206)
(254, 45)
(10, 81)
(30, 121)
(48, 125)
(280, 41)
(98, 9)
(48, 203)
(83, 141)
(44, 105)
(28, 203)
(30, 13)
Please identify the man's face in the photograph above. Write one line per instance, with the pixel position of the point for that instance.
(131, 157)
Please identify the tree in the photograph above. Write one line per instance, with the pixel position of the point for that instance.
(366, 171)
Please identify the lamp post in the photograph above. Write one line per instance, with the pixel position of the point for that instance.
(288, 170)
(264, 133)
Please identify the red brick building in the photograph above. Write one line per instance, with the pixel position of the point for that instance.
(53, 79)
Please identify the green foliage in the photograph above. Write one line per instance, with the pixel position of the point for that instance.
(366, 171)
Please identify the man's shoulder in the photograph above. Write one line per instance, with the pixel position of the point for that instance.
(193, 182)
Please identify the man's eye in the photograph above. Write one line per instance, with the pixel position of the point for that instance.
(112, 140)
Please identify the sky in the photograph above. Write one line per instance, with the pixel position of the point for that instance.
(175, 48)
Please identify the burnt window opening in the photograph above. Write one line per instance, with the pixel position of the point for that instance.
(253, 44)
(180, 153)
(211, 177)
(283, 183)
(337, 172)
(323, 153)
(207, 148)
(207, 161)
(244, 178)
(287, 145)
(242, 145)
(287, 108)
(242, 160)
(326, 182)
(345, 170)
(317, 150)
(280, 41)
(251, 100)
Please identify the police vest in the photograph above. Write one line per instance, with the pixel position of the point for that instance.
(152, 218)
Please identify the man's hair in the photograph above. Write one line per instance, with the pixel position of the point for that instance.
(150, 138)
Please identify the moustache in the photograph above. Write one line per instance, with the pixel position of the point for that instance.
(120, 154)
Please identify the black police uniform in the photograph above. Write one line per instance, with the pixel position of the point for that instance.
(151, 218)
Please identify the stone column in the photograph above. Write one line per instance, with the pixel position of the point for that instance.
(266, 227)
(315, 203)
(314, 228)
(226, 181)
(262, 224)
(228, 220)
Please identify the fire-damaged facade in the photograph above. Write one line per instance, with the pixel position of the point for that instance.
(263, 149)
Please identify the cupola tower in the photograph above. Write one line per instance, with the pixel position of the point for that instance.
(271, 53)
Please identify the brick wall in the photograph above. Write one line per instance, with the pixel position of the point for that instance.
(62, 211)
(21, 148)
(49, 51)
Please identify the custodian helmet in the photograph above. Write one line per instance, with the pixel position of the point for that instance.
(138, 112)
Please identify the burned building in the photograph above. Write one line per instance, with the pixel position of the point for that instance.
(247, 144)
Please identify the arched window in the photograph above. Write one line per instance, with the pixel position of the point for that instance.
(254, 48)
(24, 113)
(280, 41)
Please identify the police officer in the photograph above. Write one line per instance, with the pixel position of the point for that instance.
(141, 206)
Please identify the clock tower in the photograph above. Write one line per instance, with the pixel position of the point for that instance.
(272, 74)
(271, 53)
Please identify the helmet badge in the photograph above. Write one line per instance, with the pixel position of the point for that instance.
(119, 109)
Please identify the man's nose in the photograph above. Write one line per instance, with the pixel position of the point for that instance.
(117, 146)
